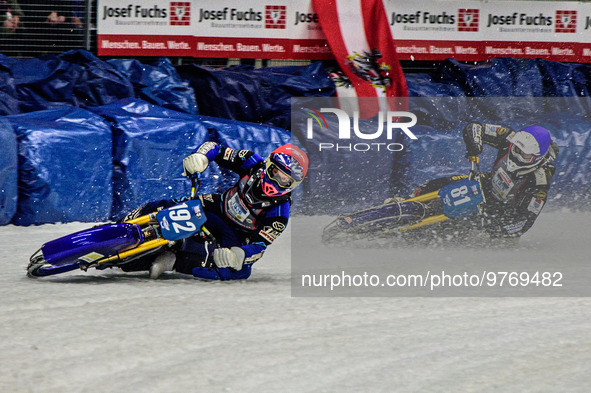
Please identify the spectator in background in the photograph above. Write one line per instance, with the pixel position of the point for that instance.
(10, 19)
(53, 27)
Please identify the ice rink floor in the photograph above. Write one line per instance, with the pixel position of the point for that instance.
(114, 332)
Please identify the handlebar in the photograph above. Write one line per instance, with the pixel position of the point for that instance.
(195, 186)
(195, 183)
(475, 170)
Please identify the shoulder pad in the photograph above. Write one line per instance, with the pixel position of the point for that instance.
(552, 151)
(541, 176)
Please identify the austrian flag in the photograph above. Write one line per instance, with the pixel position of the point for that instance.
(359, 37)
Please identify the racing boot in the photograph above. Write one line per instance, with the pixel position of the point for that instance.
(163, 263)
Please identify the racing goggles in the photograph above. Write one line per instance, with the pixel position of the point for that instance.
(280, 177)
(522, 156)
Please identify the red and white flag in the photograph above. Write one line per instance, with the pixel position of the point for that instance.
(360, 39)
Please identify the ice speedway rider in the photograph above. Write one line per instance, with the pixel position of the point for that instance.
(517, 187)
(245, 219)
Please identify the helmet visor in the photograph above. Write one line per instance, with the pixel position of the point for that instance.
(522, 156)
(281, 178)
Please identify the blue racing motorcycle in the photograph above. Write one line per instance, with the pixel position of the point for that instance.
(457, 200)
(116, 244)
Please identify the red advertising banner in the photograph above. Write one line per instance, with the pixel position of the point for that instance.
(145, 45)
(483, 50)
(262, 48)
(290, 29)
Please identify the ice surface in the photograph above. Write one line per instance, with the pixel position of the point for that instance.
(115, 332)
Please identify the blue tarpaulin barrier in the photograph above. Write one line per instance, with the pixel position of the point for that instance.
(40, 84)
(8, 101)
(150, 143)
(501, 77)
(74, 78)
(8, 172)
(280, 84)
(241, 91)
(65, 166)
(142, 120)
(78, 78)
(255, 95)
(159, 84)
(96, 82)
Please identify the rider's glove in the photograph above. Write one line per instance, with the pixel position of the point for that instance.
(196, 162)
(229, 257)
(473, 139)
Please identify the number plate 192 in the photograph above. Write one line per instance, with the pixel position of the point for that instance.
(181, 221)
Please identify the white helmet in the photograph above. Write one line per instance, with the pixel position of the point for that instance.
(528, 149)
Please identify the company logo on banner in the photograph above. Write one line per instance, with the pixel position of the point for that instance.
(468, 19)
(566, 21)
(180, 13)
(275, 17)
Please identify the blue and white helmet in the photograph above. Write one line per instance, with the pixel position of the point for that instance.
(528, 149)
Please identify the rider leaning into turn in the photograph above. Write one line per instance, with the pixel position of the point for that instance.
(244, 220)
(517, 187)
